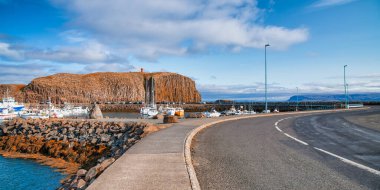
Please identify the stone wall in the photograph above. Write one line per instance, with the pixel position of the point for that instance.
(93, 144)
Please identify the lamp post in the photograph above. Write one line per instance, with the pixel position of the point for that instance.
(347, 99)
(297, 101)
(345, 87)
(266, 82)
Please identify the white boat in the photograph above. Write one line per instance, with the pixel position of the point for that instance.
(212, 113)
(79, 110)
(6, 115)
(11, 104)
(69, 110)
(55, 113)
(34, 114)
(149, 111)
(248, 112)
(231, 111)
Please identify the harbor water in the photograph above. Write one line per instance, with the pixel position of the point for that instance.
(27, 174)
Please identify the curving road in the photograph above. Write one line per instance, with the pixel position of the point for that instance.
(324, 151)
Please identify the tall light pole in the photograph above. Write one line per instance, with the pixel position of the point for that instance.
(266, 81)
(345, 87)
(297, 100)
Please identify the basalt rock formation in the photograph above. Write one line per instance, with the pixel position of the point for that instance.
(105, 87)
(14, 90)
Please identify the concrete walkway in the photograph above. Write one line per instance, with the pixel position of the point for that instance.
(156, 162)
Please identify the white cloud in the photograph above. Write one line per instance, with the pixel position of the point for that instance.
(330, 3)
(7, 52)
(79, 50)
(85, 52)
(109, 67)
(148, 29)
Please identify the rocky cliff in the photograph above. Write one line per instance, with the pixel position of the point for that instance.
(106, 87)
(14, 90)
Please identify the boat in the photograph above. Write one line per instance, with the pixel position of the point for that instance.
(10, 104)
(6, 115)
(34, 114)
(69, 110)
(248, 112)
(231, 111)
(180, 112)
(149, 109)
(212, 113)
(55, 113)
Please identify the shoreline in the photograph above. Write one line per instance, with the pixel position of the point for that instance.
(61, 166)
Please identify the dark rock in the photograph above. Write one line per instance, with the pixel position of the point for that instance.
(139, 131)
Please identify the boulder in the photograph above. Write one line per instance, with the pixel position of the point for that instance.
(105, 137)
(81, 173)
(159, 116)
(92, 172)
(170, 119)
(80, 184)
(106, 163)
(95, 112)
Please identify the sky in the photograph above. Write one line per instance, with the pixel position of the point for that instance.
(218, 43)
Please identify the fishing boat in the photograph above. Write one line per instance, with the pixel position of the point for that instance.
(231, 111)
(6, 115)
(248, 112)
(212, 113)
(180, 112)
(35, 114)
(68, 110)
(10, 104)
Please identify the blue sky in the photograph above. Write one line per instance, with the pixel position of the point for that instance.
(218, 43)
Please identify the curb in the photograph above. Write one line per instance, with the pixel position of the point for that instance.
(187, 148)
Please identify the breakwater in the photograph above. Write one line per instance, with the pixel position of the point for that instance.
(91, 144)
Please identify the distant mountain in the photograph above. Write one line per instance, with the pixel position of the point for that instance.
(284, 97)
(371, 97)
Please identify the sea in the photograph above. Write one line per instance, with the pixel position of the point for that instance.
(27, 174)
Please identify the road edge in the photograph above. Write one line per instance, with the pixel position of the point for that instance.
(189, 139)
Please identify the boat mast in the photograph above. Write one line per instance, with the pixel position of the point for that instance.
(152, 92)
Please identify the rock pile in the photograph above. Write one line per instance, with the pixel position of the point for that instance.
(94, 145)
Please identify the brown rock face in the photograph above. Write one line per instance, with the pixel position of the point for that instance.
(14, 90)
(106, 87)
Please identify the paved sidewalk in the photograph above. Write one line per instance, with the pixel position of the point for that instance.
(156, 162)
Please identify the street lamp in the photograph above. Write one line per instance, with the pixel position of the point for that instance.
(345, 87)
(266, 82)
(297, 100)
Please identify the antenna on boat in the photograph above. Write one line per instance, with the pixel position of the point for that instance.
(7, 93)
(152, 93)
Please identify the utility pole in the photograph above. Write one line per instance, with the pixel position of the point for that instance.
(266, 79)
(297, 100)
(345, 87)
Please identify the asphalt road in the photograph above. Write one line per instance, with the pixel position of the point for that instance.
(253, 154)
